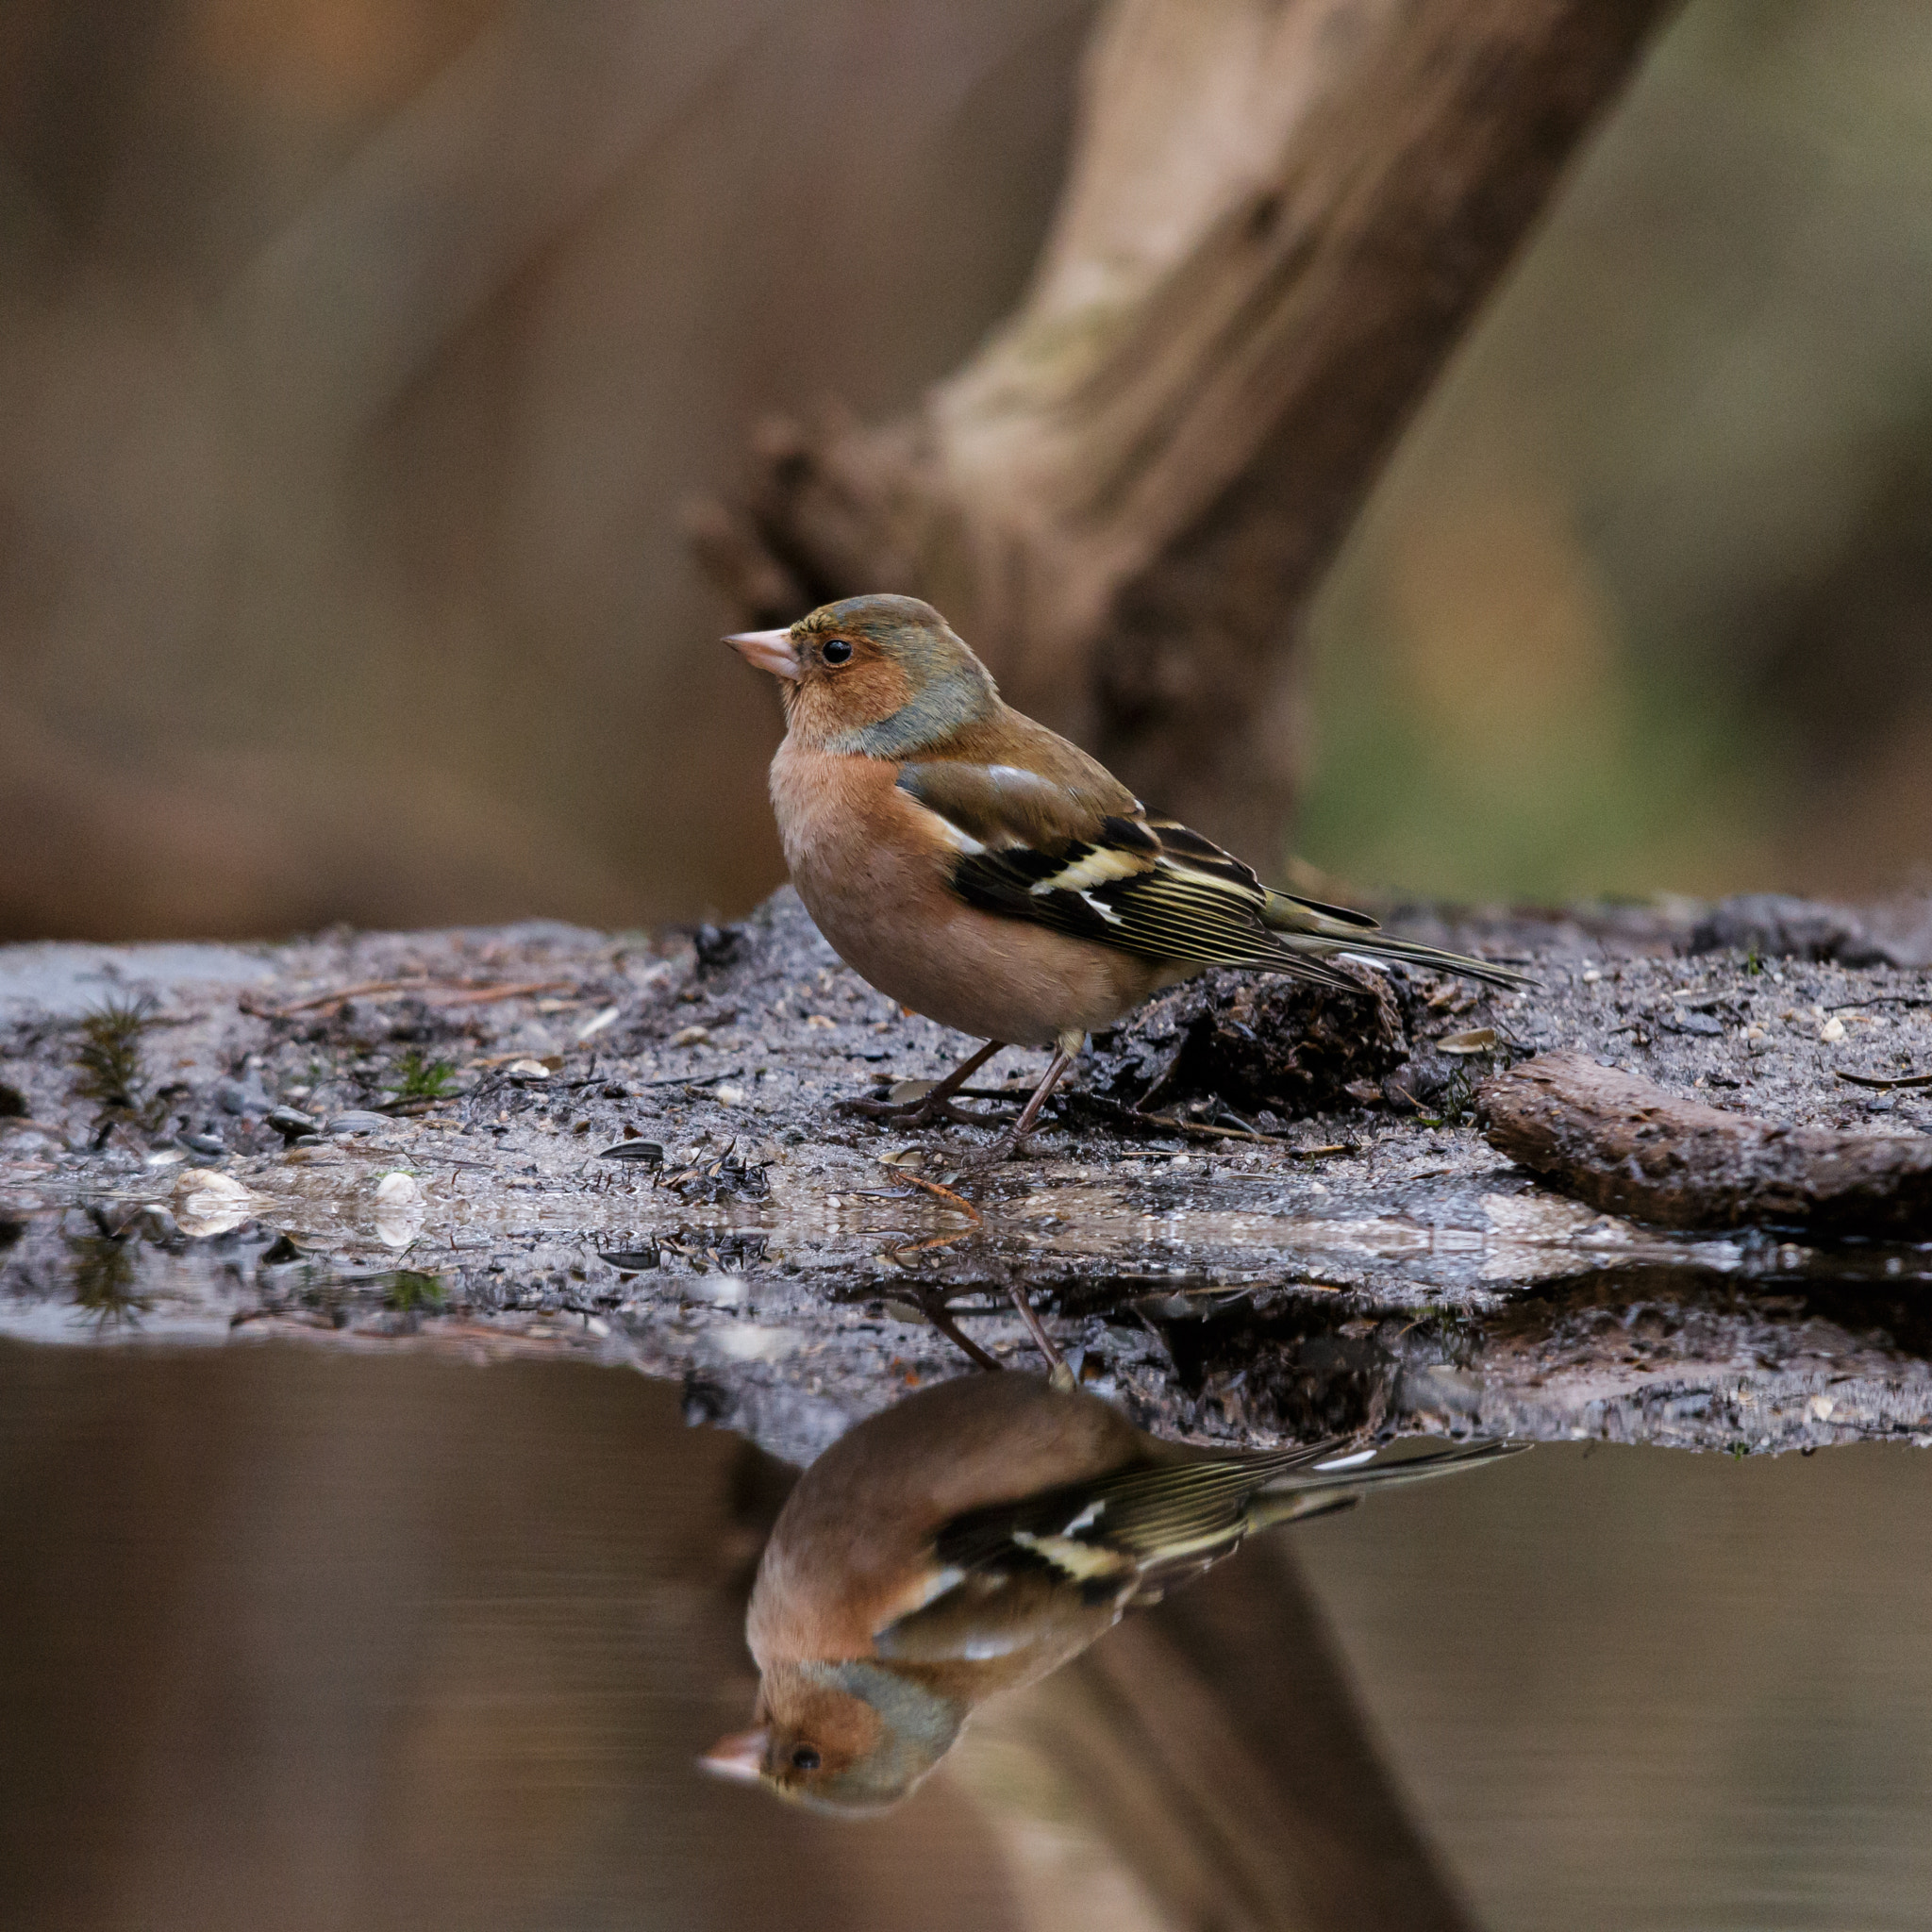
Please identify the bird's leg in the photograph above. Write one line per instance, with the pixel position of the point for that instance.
(1057, 1371)
(1007, 1142)
(935, 1105)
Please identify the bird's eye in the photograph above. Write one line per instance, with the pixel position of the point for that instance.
(805, 1757)
(835, 651)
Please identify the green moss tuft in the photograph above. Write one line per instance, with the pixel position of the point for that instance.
(417, 1080)
(104, 1278)
(412, 1293)
(108, 1067)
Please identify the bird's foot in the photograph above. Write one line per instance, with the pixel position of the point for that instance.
(926, 1110)
(929, 1101)
(1014, 1138)
(983, 1159)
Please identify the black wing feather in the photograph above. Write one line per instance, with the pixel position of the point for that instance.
(1146, 885)
(1143, 1512)
(1161, 913)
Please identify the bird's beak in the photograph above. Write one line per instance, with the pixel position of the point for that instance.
(742, 1755)
(768, 650)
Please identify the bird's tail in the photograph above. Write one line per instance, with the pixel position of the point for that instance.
(1311, 929)
(1344, 1479)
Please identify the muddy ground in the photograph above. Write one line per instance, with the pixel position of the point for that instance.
(400, 1139)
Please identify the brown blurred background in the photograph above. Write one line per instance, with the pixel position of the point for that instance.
(356, 356)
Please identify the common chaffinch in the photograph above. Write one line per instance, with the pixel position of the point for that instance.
(973, 1538)
(979, 869)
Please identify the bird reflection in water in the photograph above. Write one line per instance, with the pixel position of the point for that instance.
(971, 1540)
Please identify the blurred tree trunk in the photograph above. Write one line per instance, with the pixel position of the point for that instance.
(1216, 1746)
(1279, 217)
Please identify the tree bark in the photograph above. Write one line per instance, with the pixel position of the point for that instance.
(1622, 1144)
(1277, 222)
(1216, 1745)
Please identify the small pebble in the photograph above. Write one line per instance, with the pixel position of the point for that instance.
(207, 1203)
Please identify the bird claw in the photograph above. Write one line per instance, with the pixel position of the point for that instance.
(984, 1160)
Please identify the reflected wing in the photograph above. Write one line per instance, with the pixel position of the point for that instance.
(1154, 1522)
(1144, 1516)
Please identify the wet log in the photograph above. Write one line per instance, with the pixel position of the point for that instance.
(1277, 222)
(1624, 1143)
(1257, 1212)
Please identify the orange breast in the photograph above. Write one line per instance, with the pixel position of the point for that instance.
(872, 866)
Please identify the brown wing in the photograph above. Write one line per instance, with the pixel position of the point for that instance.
(1085, 858)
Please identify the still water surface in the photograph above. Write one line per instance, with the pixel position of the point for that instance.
(371, 1641)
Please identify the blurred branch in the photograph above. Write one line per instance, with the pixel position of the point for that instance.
(1216, 1746)
(1277, 222)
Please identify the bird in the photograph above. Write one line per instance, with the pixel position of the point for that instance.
(971, 1538)
(978, 868)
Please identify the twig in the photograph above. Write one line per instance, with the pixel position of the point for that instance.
(939, 1241)
(1168, 1123)
(1877, 1080)
(935, 1311)
(958, 1201)
(461, 995)
(1162, 1078)
(347, 992)
(1200, 1127)
(483, 996)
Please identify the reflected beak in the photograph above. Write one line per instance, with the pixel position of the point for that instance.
(742, 1755)
(768, 650)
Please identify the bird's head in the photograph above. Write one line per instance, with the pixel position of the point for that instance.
(882, 676)
(849, 1738)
